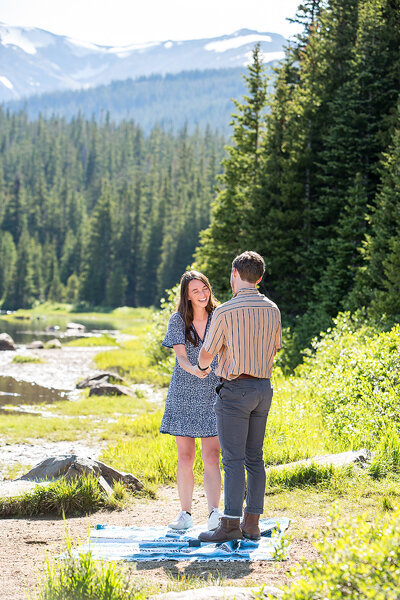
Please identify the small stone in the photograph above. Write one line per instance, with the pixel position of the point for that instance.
(35, 345)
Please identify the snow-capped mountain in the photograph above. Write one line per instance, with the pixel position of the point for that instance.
(34, 61)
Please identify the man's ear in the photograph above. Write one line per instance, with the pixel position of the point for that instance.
(235, 272)
(258, 281)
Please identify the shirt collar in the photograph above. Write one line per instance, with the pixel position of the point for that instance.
(246, 290)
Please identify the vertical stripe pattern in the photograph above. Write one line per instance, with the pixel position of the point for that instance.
(246, 332)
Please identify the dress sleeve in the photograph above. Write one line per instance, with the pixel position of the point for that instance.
(176, 331)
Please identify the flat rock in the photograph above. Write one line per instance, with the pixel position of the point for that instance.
(219, 593)
(110, 389)
(360, 457)
(77, 326)
(72, 465)
(35, 345)
(6, 342)
(103, 377)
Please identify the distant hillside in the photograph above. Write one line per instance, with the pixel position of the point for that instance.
(34, 61)
(192, 97)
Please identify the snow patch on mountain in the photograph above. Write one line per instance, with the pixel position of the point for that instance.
(15, 36)
(236, 42)
(265, 56)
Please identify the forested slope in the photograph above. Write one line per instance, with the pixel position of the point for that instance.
(99, 213)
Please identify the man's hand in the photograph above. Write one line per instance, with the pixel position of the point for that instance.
(201, 374)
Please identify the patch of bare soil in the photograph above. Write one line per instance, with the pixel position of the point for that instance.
(25, 543)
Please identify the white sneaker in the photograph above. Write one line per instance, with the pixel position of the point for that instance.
(213, 519)
(182, 521)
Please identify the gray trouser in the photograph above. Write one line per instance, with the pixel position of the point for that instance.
(242, 410)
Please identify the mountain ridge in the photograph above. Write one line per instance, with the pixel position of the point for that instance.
(35, 61)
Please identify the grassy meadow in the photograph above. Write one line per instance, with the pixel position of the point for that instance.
(344, 396)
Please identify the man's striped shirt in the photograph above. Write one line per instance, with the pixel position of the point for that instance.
(246, 333)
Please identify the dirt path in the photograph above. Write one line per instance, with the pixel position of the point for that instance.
(25, 543)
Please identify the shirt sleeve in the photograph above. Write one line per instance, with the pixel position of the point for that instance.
(216, 334)
(176, 331)
(278, 336)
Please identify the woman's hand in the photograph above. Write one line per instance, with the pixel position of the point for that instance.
(201, 374)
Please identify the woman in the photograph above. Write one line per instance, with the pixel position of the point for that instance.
(189, 408)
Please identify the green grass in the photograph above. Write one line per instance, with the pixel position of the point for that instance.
(358, 558)
(103, 340)
(131, 360)
(23, 358)
(74, 497)
(82, 578)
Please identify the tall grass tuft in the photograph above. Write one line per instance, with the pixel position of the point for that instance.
(302, 475)
(78, 496)
(81, 578)
(387, 457)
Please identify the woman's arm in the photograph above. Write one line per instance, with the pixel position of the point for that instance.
(186, 365)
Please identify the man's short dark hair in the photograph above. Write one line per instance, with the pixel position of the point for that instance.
(250, 266)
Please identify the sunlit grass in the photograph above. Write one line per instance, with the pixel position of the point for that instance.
(102, 340)
(131, 360)
(25, 358)
(102, 405)
(78, 496)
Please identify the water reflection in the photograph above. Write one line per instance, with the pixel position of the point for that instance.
(15, 392)
(42, 328)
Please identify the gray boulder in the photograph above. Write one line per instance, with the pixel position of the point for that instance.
(109, 389)
(103, 377)
(36, 345)
(72, 466)
(6, 342)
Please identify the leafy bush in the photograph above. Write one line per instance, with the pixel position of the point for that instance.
(160, 356)
(354, 378)
(359, 560)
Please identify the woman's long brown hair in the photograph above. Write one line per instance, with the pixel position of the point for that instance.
(185, 308)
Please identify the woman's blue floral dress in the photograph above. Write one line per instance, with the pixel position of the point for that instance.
(189, 408)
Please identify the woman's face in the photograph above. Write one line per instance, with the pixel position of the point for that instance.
(198, 293)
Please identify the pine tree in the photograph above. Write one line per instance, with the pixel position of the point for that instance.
(228, 234)
(97, 255)
(376, 281)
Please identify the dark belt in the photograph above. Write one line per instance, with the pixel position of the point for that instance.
(241, 376)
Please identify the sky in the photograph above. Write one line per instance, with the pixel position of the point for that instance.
(123, 22)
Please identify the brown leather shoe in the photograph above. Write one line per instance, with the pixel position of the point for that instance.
(227, 530)
(249, 526)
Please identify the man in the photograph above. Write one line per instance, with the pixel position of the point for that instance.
(246, 333)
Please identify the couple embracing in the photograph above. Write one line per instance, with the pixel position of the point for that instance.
(221, 392)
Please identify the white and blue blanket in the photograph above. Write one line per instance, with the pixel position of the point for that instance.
(160, 543)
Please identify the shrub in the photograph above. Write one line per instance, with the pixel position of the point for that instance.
(359, 560)
(162, 357)
(354, 378)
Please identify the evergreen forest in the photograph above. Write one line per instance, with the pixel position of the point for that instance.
(100, 215)
(103, 213)
(313, 184)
